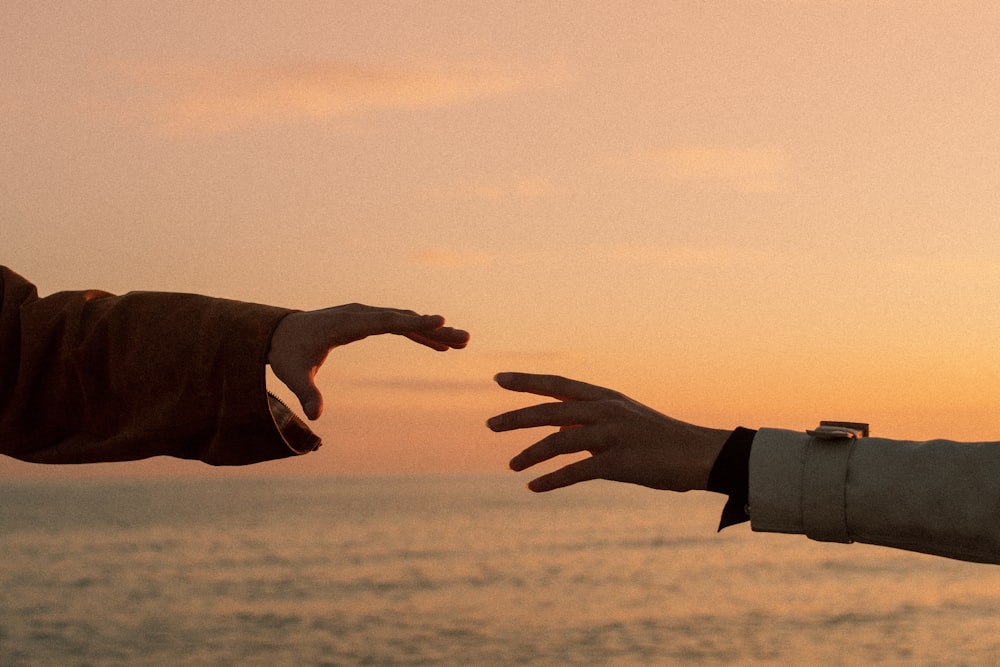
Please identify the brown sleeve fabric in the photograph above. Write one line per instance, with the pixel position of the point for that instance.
(90, 376)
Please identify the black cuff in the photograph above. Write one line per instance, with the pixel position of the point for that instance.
(731, 475)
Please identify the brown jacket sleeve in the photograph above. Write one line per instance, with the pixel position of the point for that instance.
(90, 376)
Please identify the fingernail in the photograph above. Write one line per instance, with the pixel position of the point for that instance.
(493, 423)
(500, 378)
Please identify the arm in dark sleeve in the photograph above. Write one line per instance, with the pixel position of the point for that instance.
(90, 376)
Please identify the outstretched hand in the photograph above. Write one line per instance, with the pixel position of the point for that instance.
(302, 341)
(628, 441)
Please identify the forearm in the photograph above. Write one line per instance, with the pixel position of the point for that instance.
(938, 497)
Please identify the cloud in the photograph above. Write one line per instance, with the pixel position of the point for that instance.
(213, 98)
(447, 258)
(744, 169)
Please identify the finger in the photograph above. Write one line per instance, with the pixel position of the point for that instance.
(392, 321)
(378, 311)
(579, 471)
(362, 321)
(360, 308)
(574, 413)
(429, 342)
(356, 326)
(451, 336)
(568, 441)
(552, 385)
(441, 339)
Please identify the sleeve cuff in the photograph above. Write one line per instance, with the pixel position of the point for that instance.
(731, 475)
(798, 484)
(298, 436)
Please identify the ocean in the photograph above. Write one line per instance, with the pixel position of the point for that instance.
(455, 570)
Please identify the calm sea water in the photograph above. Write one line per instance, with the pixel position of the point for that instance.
(463, 570)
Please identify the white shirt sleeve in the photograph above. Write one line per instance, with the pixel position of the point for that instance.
(939, 497)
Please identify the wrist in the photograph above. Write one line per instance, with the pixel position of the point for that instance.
(713, 441)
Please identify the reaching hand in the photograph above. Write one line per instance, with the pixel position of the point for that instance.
(628, 442)
(303, 340)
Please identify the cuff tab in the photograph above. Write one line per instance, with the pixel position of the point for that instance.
(824, 479)
(828, 430)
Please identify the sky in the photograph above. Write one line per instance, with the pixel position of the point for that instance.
(757, 213)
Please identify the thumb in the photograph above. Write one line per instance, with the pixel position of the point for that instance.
(309, 397)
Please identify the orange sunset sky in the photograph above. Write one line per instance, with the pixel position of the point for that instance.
(741, 213)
